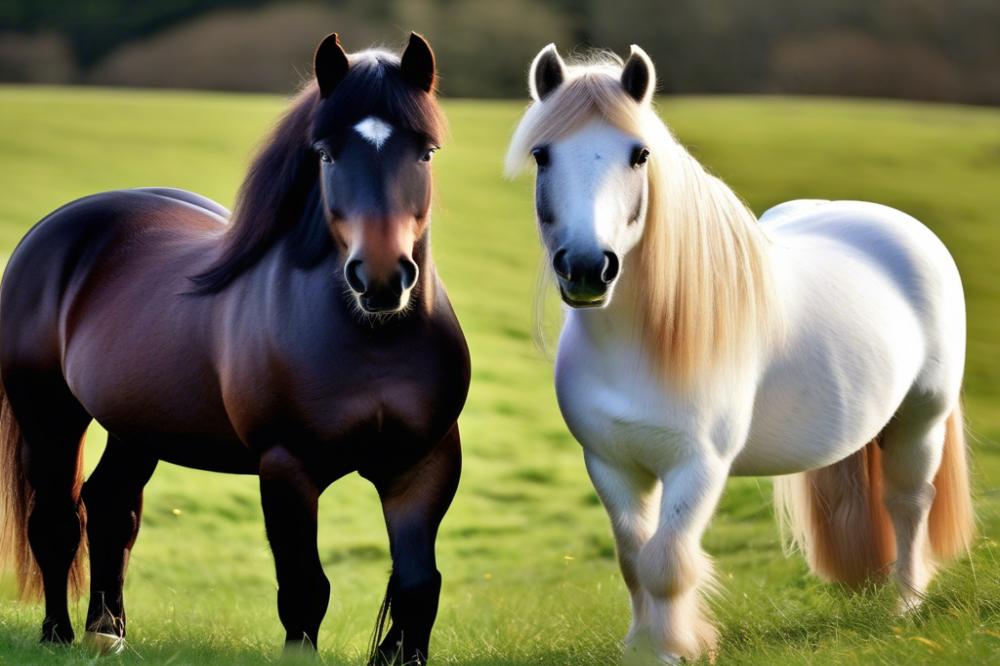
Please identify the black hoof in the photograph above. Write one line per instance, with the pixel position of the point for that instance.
(103, 644)
(394, 655)
(107, 624)
(57, 632)
(303, 648)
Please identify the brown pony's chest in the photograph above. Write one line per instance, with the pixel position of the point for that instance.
(384, 405)
(361, 402)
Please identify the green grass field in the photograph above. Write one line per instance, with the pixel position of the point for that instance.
(526, 551)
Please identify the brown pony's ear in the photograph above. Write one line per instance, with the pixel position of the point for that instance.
(417, 63)
(330, 64)
(639, 76)
(547, 73)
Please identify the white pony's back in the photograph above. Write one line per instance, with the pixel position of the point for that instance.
(874, 312)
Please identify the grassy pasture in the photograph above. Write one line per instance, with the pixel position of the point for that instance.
(526, 552)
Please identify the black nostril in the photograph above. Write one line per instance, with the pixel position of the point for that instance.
(560, 265)
(408, 273)
(352, 273)
(610, 270)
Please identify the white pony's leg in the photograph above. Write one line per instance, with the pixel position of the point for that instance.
(673, 569)
(629, 498)
(911, 457)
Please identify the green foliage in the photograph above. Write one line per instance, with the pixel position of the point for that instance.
(97, 26)
(526, 551)
(922, 49)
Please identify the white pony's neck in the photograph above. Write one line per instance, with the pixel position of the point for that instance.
(696, 291)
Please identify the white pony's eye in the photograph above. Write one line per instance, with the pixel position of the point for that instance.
(639, 156)
(541, 155)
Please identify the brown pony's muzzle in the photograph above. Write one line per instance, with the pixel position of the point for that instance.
(380, 269)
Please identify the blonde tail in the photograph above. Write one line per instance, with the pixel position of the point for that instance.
(951, 524)
(836, 517)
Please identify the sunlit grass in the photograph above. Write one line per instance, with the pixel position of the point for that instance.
(526, 552)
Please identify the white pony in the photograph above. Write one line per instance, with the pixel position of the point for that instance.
(825, 341)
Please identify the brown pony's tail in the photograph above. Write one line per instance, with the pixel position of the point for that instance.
(374, 657)
(951, 525)
(835, 515)
(16, 499)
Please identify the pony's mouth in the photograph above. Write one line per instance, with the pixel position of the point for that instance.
(381, 308)
(582, 303)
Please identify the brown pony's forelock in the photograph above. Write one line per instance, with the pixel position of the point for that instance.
(280, 188)
(374, 86)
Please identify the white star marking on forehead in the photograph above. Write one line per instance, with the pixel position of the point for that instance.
(374, 131)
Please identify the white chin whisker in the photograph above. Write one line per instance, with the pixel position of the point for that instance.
(378, 317)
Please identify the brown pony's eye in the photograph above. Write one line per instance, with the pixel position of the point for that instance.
(639, 156)
(428, 155)
(324, 154)
(541, 155)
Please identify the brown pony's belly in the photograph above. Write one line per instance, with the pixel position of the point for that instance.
(183, 422)
(187, 440)
(232, 457)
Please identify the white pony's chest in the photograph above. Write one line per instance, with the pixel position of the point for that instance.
(616, 408)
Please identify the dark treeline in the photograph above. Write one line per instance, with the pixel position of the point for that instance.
(945, 50)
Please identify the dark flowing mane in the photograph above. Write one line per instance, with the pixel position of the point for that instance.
(280, 194)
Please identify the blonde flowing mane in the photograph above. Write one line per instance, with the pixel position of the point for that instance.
(702, 278)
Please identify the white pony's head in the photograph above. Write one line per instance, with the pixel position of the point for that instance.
(585, 131)
(617, 195)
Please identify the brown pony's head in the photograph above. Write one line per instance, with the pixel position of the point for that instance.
(345, 172)
(374, 133)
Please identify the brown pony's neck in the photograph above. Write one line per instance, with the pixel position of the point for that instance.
(423, 297)
(276, 194)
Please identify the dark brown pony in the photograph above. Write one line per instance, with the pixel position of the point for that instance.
(307, 339)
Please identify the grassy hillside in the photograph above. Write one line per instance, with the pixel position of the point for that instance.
(526, 552)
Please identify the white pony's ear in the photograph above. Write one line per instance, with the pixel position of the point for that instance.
(547, 73)
(639, 76)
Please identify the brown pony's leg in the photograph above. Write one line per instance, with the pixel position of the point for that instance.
(113, 499)
(414, 504)
(52, 426)
(289, 497)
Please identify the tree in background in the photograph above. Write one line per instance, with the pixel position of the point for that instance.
(924, 49)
